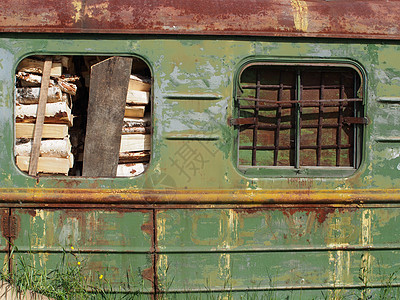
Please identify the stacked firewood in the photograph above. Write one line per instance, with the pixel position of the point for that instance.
(136, 139)
(55, 149)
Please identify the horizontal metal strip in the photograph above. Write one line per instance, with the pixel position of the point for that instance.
(193, 96)
(183, 250)
(258, 288)
(389, 139)
(288, 86)
(389, 99)
(324, 147)
(203, 137)
(79, 251)
(63, 196)
(301, 102)
(266, 126)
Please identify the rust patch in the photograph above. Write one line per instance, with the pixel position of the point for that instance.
(5, 228)
(148, 273)
(351, 19)
(320, 213)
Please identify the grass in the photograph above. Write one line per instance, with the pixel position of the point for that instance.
(68, 280)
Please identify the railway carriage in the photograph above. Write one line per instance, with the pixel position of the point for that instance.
(272, 142)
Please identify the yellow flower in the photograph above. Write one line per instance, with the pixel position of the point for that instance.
(101, 277)
(79, 263)
(72, 248)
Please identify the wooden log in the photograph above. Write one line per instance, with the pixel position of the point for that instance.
(137, 97)
(58, 112)
(48, 148)
(32, 80)
(10, 292)
(129, 170)
(30, 95)
(40, 113)
(134, 157)
(51, 165)
(134, 111)
(50, 131)
(135, 142)
(109, 82)
(135, 129)
(132, 122)
(139, 83)
(36, 66)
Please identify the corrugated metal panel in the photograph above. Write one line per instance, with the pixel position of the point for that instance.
(361, 19)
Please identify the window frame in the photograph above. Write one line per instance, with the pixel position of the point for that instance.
(81, 178)
(302, 171)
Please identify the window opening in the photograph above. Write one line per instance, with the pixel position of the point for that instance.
(299, 116)
(64, 129)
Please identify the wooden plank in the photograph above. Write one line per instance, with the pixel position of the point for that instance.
(30, 95)
(58, 112)
(10, 292)
(134, 157)
(135, 142)
(50, 165)
(109, 82)
(134, 111)
(139, 83)
(129, 170)
(48, 148)
(41, 109)
(50, 131)
(36, 66)
(137, 97)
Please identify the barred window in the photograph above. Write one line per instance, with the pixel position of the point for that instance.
(299, 117)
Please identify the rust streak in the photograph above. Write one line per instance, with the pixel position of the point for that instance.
(351, 19)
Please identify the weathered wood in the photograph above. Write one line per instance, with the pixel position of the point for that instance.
(135, 129)
(36, 66)
(33, 80)
(134, 157)
(109, 82)
(50, 131)
(37, 135)
(30, 95)
(48, 148)
(131, 122)
(134, 111)
(129, 170)
(50, 165)
(139, 83)
(135, 142)
(58, 112)
(10, 292)
(137, 97)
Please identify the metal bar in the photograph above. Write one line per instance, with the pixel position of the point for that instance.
(288, 126)
(297, 121)
(355, 128)
(255, 129)
(266, 86)
(340, 121)
(308, 147)
(315, 102)
(277, 87)
(320, 119)
(278, 120)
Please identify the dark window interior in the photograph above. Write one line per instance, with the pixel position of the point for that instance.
(64, 129)
(292, 116)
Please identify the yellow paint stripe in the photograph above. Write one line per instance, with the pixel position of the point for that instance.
(300, 14)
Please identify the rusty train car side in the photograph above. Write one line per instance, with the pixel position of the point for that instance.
(275, 149)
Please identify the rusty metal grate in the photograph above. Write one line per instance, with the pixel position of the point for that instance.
(299, 116)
